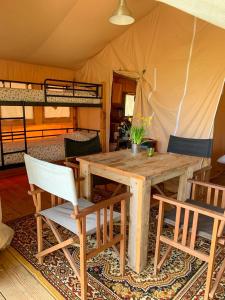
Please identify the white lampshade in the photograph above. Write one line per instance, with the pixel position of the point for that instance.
(122, 15)
(221, 159)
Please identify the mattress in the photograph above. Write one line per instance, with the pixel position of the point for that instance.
(37, 96)
(49, 149)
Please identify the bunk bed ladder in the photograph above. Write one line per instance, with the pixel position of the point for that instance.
(23, 118)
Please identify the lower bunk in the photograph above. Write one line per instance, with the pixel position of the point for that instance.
(44, 148)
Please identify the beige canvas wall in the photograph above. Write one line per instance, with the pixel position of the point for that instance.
(181, 64)
(89, 117)
(11, 70)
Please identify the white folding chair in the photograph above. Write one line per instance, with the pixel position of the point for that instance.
(80, 216)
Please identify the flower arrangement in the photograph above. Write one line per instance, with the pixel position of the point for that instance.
(137, 131)
(137, 134)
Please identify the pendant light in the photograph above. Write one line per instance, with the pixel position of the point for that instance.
(122, 15)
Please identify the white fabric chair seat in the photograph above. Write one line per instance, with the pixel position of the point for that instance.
(61, 214)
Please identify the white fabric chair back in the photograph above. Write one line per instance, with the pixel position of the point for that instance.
(55, 179)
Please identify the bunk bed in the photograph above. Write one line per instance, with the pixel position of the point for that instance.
(13, 144)
(52, 93)
(50, 148)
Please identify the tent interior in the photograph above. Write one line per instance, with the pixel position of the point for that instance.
(66, 72)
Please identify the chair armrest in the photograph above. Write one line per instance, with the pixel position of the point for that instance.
(203, 170)
(71, 158)
(207, 168)
(80, 178)
(71, 165)
(35, 192)
(192, 207)
(103, 204)
(206, 184)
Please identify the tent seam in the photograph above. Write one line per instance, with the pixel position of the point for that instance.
(186, 76)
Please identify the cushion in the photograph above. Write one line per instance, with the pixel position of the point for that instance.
(205, 223)
(61, 214)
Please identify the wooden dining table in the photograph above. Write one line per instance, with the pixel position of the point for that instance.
(139, 172)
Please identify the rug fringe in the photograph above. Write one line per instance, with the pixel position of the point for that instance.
(43, 281)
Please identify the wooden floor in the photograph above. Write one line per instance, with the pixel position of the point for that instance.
(16, 283)
(16, 202)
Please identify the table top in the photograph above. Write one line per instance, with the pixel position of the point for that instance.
(140, 165)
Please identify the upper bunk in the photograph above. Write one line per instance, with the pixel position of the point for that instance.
(51, 92)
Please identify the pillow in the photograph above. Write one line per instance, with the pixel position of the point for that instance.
(79, 135)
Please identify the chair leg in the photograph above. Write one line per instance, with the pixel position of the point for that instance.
(217, 280)
(122, 257)
(83, 261)
(211, 259)
(159, 231)
(123, 241)
(78, 189)
(39, 238)
(167, 253)
(118, 187)
(159, 190)
(208, 280)
(78, 183)
(157, 256)
(83, 276)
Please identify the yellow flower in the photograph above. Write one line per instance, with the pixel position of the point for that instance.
(145, 121)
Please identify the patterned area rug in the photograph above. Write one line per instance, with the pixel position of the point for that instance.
(181, 278)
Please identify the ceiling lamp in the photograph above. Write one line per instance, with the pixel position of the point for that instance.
(122, 15)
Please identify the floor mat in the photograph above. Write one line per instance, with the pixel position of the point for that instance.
(181, 278)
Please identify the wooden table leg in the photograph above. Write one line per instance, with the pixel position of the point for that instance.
(139, 224)
(86, 184)
(184, 188)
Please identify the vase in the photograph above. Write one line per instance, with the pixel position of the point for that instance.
(135, 148)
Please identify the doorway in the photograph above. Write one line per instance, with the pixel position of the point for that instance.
(219, 138)
(122, 107)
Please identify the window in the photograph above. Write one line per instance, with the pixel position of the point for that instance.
(5, 84)
(15, 85)
(17, 111)
(56, 112)
(129, 105)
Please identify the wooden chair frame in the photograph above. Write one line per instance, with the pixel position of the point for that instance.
(202, 175)
(184, 236)
(104, 233)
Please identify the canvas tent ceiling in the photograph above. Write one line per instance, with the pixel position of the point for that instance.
(60, 33)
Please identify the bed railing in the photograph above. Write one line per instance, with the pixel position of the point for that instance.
(18, 134)
(72, 89)
(51, 92)
(10, 136)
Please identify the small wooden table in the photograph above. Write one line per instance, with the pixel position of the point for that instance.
(139, 172)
